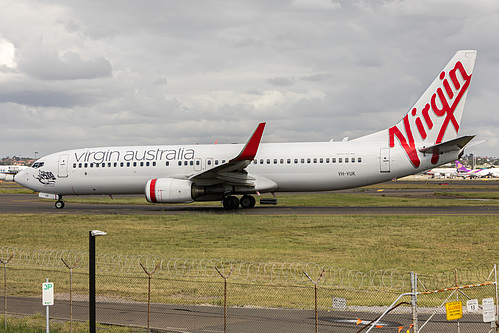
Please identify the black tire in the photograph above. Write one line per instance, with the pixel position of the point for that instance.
(231, 203)
(59, 204)
(247, 201)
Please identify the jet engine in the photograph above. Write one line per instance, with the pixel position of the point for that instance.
(170, 190)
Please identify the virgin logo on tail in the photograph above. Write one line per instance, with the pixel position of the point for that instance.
(442, 103)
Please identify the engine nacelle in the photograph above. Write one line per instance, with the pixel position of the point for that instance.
(6, 176)
(169, 190)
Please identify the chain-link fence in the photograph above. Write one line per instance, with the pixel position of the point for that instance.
(217, 295)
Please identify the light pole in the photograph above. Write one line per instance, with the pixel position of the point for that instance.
(91, 277)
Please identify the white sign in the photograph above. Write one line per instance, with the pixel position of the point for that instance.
(339, 303)
(472, 305)
(489, 314)
(48, 293)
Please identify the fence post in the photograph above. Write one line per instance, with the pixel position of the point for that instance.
(225, 295)
(497, 297)
(5, 287)
(149, 292)
(414, 301)
(316, 313)
(70, 292)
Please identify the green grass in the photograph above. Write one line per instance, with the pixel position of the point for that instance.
(37, 324)
(427, 244)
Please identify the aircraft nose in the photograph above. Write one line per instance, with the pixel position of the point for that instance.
(22, 177)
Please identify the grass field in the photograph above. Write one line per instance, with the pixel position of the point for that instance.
(37, 324)
(427, 244)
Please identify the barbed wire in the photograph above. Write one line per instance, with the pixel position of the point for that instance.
(456, 277)
(275, 273)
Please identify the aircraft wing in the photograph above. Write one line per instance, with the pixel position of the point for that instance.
(451, 145)
(233, 172)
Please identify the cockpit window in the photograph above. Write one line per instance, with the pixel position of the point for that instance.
(37, 165)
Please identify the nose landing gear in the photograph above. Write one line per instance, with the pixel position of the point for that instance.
(59, 204)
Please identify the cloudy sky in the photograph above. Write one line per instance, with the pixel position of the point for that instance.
(87, 73)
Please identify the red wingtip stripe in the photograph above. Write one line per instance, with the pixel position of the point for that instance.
(249, 151)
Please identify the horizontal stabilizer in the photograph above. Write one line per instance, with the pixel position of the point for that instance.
(451, 145)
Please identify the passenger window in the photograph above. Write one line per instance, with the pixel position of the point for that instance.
(198, 162)
(315, 160)
(302, 160)
(308, 160)
(333, 160)
(346, 159)
(340, 160)
(179, 163)
(191, 163)
(216, 162)
(275, 161)
(91, 165)
(79, 165)
(128, 164)
(321, 160)
(122, 164)
(359, 159)
(268, 160)
(289, 161)
(154, 163)
(147, 164)
(327, 160)
(209, 162)
(115, 164)
(353, 159)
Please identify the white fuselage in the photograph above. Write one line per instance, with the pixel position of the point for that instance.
(293, 167)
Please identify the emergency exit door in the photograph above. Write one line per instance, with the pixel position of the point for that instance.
(384, 160)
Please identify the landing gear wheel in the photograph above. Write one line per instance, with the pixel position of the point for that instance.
(247, 201)
(59, 204)
(231, 203)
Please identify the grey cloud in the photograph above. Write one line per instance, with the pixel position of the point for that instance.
(281, 81)
(317, 77)
(172, 71)
(46, 64)
(45, 98)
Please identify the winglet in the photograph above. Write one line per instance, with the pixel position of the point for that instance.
(250, 149)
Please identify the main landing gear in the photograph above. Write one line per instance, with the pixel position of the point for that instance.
(231, 202)
(59, 204)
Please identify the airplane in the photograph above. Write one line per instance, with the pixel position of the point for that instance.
(476, 173)
(442, 172)
(488, 173)
(426, 137)
(7, 172)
